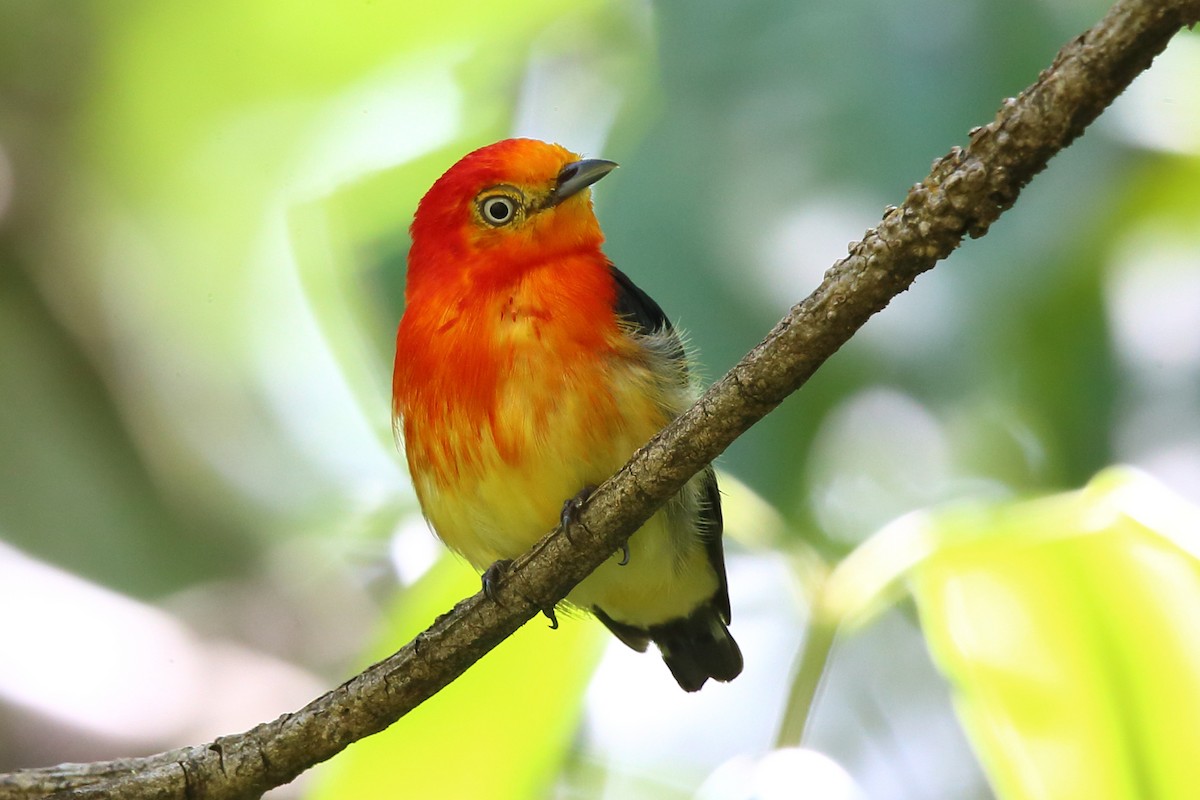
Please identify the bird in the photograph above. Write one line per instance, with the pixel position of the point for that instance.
(528, 370)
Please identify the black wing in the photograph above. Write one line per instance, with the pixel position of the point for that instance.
(640, 309)
(647, 316)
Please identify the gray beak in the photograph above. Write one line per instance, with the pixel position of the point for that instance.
(577, 176)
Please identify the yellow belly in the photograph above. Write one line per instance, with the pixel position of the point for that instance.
(551, 434)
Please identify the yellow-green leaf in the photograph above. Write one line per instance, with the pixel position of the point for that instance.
(502, 730)
(1070, 629)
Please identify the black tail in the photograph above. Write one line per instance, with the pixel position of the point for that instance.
(696, 647)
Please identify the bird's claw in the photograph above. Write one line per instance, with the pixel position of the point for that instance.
(496, 573)
(492, 577)
(624, 554)
(571, 509)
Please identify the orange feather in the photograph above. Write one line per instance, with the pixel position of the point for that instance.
(516, 384)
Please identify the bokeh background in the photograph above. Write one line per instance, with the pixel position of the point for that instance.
(204, 521)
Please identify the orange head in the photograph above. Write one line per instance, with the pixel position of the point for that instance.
(503, 209)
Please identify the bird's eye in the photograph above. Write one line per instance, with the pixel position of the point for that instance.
(498, 209)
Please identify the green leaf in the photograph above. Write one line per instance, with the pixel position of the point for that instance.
(1070, 628)
(502, 730)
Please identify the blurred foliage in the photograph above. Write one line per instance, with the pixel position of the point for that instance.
(1068, 626)
(522, 718)
(202, 238)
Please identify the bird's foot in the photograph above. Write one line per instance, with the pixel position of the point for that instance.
(572, 508)
(492, 577)
(570, 515)
(496, 573)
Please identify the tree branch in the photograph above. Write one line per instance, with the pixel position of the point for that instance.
(965, 192)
